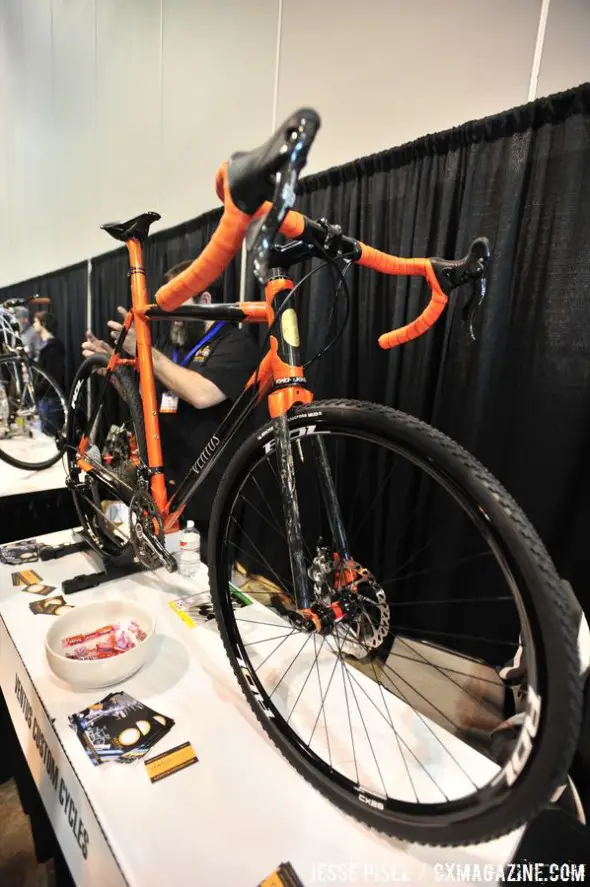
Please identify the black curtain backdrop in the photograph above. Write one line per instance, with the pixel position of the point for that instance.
(519, 398)
(67, 290)
(28, 515)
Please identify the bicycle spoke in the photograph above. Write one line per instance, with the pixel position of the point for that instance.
(349, 720)
(102, 515)
(397, 737)
(363, 723)
(425, 661)
(275, 521)
(264, 518)
(270, 591)
(323, 697)
(464, 637)
(355, 498)
(431, 570)
(424, 721)
(278, 646)
(289, 667)
(369, 511)
(346, 670)
(263, 560)
(438, 535)
(266, 640)
(446, 668)
(304, 684)
(249, 621)
(460, 600)
(393, 703)
(410, 750)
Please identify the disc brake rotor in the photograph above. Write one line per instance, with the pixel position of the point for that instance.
(356, 635)
(366, 632)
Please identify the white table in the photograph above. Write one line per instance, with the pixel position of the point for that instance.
(227, 821)
(15, 481)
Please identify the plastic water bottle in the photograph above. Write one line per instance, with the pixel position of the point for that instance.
(189, 555)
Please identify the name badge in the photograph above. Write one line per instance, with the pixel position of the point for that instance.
(169, 402)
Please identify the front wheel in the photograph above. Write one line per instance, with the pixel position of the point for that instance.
(387, 701)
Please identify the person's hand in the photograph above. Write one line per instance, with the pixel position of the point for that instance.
(91, 345)
(115, 327)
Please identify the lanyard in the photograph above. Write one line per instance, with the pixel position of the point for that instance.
(206, 338)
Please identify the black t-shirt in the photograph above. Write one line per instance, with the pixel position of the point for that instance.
(52, 358)
(228, 360)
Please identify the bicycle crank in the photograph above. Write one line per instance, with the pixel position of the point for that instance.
(146, 532)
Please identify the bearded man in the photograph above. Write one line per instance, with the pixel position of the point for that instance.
(201, 367)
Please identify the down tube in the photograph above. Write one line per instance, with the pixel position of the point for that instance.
(213, 450)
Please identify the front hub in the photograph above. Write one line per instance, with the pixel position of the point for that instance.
(349, 604)
(322, 618)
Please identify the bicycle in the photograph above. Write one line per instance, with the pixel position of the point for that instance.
(32, 405)
(324, 631)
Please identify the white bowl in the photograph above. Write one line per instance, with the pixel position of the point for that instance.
(93, 673)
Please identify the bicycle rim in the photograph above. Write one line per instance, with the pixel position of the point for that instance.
(32, 415)
(391, 711)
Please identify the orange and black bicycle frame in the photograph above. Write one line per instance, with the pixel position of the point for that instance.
(279, 377)
(245, 184)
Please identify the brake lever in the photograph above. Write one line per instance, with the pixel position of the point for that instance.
(471, 268)
(473, 305)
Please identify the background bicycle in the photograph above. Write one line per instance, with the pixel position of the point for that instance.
(32, 405)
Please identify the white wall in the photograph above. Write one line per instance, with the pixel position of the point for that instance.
(393, 70)
(111, 107)
(566, 52)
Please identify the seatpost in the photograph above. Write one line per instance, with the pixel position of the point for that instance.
(139, 302)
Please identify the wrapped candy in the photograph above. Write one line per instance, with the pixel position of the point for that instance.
(104, 642)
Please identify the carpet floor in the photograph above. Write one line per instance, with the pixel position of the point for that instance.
(18, 866)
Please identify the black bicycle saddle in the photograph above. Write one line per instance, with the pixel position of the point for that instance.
(251, 174)
(136, 228)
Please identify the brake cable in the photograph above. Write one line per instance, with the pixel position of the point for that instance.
(280, 313)
(342, 284)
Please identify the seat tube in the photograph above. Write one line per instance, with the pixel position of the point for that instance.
(139, 301)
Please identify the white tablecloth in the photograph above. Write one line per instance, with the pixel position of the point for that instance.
(15, 481)
(227, 821)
